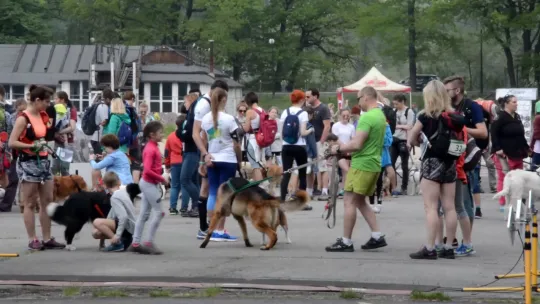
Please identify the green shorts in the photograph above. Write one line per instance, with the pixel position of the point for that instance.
(361, 182)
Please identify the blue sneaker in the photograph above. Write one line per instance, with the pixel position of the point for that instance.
(201, 235)
(225, 237)
(464, 251)
(118, 247)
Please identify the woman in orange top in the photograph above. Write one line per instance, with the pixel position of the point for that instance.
(34, 167)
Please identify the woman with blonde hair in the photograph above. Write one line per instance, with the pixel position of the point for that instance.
(438, 172)
(117, 116)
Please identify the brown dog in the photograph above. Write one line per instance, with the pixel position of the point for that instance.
(276, 173)
(266, 211)
(64, 186)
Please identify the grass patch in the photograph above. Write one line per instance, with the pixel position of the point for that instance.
(350, 294)
(431, 296)
(168, 129)
(160, 293)
(210, 292)
(72, 291)
(109, 293)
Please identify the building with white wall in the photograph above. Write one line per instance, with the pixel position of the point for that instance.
(163, 75)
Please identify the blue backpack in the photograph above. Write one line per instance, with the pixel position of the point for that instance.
(291, 127)
(125, 135)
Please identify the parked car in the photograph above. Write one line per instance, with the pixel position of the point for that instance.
(421, 80)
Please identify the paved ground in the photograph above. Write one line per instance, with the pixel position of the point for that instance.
(302, 263)
(212, 301)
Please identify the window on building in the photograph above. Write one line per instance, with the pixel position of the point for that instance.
(141, 91)
(75, 90)
(154, 106)
(167, 107)
(194, 86)
(17, 91)
(155, 91)
(167, 90)
(182, 90)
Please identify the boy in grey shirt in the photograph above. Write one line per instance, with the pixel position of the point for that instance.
(119, 225)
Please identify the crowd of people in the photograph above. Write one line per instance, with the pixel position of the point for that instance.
(210, 146)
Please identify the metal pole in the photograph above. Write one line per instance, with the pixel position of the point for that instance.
(135, 86)
(112, 76)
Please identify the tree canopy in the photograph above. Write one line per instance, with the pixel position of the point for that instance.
(268, 44)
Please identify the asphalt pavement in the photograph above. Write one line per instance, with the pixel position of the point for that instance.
(302, 263)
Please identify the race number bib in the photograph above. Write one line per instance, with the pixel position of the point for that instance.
(457, 147)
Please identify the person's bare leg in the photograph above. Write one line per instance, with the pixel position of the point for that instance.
(136, 176)
(367, 212)
(45, 198)
(430, 194)
(349, 216)
(105, 227)
(325, 180)
(440, 231)
(28, 193)
(391, 173)
(344, 166)
(466, 229)
(96, 176)
(448, 195)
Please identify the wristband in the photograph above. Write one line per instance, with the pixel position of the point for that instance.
(202, 163)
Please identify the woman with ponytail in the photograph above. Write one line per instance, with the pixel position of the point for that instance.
(224, 153)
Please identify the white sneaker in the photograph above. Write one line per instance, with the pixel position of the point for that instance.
(377, 208)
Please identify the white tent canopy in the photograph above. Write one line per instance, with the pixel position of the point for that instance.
(378, 81)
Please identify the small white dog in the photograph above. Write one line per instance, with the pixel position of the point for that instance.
(517, 184)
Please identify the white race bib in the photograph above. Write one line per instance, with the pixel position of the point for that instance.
(457, 147)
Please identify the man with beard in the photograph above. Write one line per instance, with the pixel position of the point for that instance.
(476, 127)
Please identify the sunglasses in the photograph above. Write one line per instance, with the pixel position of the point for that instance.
(359, 97)
(242, 111)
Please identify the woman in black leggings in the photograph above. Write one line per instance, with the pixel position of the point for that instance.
(294, 145)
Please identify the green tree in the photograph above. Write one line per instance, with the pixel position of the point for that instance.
(24, 21)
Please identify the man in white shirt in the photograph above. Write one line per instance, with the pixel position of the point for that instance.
(404, 122)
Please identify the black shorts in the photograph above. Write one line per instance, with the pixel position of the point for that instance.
(126, 238)
(135, 156)
(439, 171)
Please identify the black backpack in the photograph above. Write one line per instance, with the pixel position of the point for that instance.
(132, 112)
(88, 121)
(51, 112)
(448, 143)
(187, 128)
(467, 110)
(390, 115)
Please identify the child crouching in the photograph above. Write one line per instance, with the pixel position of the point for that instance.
(119, 225)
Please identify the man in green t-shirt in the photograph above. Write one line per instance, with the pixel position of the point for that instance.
(361, 181)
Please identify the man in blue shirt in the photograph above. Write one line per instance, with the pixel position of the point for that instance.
(476, 127)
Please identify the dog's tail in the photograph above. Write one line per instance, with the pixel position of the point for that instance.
(506, 187)
(298, 202)
(54, 211)
(133, 190)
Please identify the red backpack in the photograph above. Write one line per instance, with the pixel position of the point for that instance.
(267, 130)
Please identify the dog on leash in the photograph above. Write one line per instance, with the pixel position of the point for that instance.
(517, 184)
(265, 211)
(64, 186)
(83, 207)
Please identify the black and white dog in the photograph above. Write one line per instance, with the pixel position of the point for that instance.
(83, 207)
